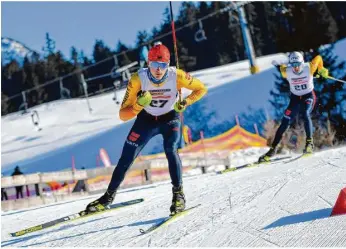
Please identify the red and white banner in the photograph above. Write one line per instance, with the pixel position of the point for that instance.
(105, 158)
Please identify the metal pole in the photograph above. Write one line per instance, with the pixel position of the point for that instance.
(24, 102)
(85, 87)
(247, 40)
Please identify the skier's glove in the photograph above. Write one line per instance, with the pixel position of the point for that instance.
(323, 72)
(144, 98)
(180, 106)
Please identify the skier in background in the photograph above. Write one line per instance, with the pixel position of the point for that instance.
(152, 96)
(300, 78)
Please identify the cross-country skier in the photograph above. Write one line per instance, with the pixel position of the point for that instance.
(152, 96)
(300, 78)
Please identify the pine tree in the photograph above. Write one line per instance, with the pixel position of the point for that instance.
(142, 37)
(338, 11)
(4, 104)
(253, 15)
(50, 45)
(280, 94)
(206, 51)
(331, 94)
(124, 58)
(74, 56)
(306, 25)
(101, 51)
(200, 118)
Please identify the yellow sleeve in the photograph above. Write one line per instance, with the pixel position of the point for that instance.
(316, 63)
(187, 81)
(283, 71)
(129, 107)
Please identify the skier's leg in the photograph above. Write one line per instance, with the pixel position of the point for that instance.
(139, 135)
(290, 113)
(171, 132)
(309, 103)
(308, 107)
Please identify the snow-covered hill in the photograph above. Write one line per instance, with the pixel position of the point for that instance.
(281, 205)
(12, 49)
(69, 130)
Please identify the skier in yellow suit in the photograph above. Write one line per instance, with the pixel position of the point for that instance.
(152, 96)
(300, 77)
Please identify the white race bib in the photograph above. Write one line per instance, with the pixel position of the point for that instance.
(300, 84)
(164, 95)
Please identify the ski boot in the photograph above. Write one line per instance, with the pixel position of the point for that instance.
(178, 202)
(101, 203)
(266, 157)
(309, 146)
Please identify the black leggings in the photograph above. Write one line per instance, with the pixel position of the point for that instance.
(145, 127)
(308, 102)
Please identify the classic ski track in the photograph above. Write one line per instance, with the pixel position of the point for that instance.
(223, 219)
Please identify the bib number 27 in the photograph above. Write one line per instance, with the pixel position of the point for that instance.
(158, 103)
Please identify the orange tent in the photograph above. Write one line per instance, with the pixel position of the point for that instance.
(235, 138)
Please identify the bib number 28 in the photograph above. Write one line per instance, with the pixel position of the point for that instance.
(300, 87)
(158, 103)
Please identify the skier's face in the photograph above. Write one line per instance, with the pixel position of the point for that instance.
(158, 69)
(297, 67)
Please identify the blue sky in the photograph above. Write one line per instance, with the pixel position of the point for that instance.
(79, 24)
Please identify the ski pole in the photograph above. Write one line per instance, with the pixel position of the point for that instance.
(177, 65)
(175, 44)
(332, 78)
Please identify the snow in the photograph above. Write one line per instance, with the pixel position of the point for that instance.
(282, 204)
(12, 49)
(68, 129)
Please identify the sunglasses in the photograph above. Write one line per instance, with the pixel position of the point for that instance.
(157, 64)
(296, 64)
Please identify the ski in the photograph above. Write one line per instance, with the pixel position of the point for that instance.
(167, 220)
(299, 157)
(79, 215)
(255, 164)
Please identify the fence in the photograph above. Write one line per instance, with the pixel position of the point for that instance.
(147, 168)
(102, 77)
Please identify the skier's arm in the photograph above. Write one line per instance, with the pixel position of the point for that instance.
(316, 64)
(187, 81)
(283, 68)
(129, 107)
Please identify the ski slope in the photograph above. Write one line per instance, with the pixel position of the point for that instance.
(282, 204)
(68, 129)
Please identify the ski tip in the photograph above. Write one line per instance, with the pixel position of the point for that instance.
(17, 234)
(226, 171)
(137, 200)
